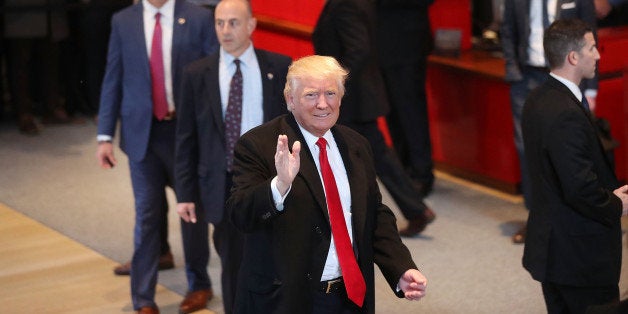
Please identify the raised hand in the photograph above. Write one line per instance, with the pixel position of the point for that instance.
(286, 163)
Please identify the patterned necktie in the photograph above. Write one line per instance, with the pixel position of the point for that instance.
(158, 85)
(233, 116)
(351, 274)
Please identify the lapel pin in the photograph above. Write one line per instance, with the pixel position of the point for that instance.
(181, 21)
(270, 76)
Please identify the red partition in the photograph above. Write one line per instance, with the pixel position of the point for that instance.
(453, 14)
(285, 26)
(470, 120)
(449, 14)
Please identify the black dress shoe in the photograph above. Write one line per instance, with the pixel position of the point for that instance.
(416, 226)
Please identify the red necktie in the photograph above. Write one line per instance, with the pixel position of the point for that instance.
(160, 104)
(354, 282)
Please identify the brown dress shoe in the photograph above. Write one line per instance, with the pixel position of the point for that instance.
(520, 236)
(196, 300)
(148, 310)
(416, 226)
(166, 261)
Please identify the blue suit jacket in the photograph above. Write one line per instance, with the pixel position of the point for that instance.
(126, 89)
(200, 165)
(515, 31)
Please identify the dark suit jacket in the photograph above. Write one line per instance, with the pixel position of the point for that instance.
(574, 233)
(126, 89)
(404, 34)
(346, 31)
(201, 165)
(285, 251)
(515, 32)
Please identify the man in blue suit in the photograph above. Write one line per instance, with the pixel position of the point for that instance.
(149, 45)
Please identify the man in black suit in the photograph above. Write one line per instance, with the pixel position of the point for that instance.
(526, 68)
(346, 31)
(313, 223)
(573, 245)
(203, 176)
(404, 41)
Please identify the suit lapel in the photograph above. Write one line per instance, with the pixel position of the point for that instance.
(308, 170)
(269, 87)
(211, 77)
(136, 30)
(265, 69)
(178, 31)
(352, 159)
(575, 102)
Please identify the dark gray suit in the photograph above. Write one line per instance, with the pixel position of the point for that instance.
(201, 170)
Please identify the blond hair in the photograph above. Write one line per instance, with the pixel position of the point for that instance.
(315, 67)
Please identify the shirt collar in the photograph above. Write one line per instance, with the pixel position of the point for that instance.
(571, 85)
(166, 10)
(311, 139)
(246, 58)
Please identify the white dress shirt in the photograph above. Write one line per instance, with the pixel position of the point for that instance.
(332, 266)
(166, 20)
(536, 54)
(571, 85)
(252, 96)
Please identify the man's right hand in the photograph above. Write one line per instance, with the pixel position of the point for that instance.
(105, 156)
(187, 211)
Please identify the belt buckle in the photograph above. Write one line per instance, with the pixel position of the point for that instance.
(330, 283)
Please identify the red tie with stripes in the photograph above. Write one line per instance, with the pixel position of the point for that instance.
(158, 84)
(351, 274)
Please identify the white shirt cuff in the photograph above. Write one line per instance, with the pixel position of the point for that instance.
(103, 137)
(276, 195)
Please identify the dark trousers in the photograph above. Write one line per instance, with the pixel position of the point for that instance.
(391, 172)
(150, 177)
(229, 243)
(22, 55)
(561, 299)
(333, 303)
(408, 118)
